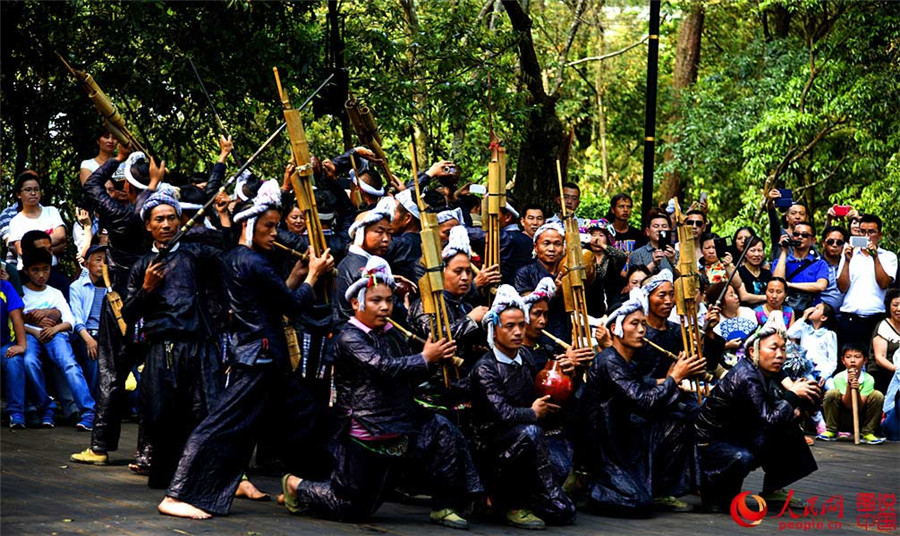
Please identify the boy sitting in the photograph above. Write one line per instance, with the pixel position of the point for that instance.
(838, 402)
(52, 337)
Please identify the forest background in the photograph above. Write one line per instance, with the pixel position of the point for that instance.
(802, 93)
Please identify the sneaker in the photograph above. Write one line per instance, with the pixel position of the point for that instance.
(87, 422)
(809, 441)
(781, 497)
(827, 436)
(48, 420)
(844, 435)
(448, 518)
(90, 457)
(871, 439)
(820, 427)
(670, 504)
(16, 421)
(524, 519)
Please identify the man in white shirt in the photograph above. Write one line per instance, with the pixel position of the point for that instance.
(865, 275)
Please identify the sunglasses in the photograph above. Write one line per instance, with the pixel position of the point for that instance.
(801, 235)
(694, 223)
(834, 242)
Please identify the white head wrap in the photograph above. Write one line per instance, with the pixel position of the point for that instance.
(775, 324)
(165, 194)
(544, 290)
(549, 226)
(133, 159)
(269, 196)
(447, 215)
(364, 186)
(405, 198)
(509, 208)
(457, 243)
(377, 271)
(384, 209)
(506, 298)
(616, 317)
(653, 283)
(239, 185)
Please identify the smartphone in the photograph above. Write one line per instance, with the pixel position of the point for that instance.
(786, 199)
(477, 189)
(665, 240)
(722, 246)
(859, 241)
(841, 210)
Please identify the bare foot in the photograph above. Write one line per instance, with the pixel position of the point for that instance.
(176, 508)
(247, 490)
(280, 499)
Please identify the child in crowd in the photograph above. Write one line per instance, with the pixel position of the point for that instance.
(838, 402)
(819, 344)
(12, 350)
(44, 333)
(86, 298)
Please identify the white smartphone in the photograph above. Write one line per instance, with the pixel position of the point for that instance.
(477, 189)
(859, 241)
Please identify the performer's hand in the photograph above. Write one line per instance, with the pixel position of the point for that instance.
(153, 276)
(580, 356)
(122, 152)
(436, 351)
(329, 169)
(477, 314)
(221, 203)
(286, 183)
(687, 366)
(318, 266)
(365, 152)
(713, 317)
(807, 389)
(15, 350)
(488, 276)
(225, 147)
(601, 333)
(405, 287)
(157, 174)
(543, 407)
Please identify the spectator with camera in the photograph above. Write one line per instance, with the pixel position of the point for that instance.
(805, 272)
(658, 253)
(833, 240)
(865, 273)
(794, 213)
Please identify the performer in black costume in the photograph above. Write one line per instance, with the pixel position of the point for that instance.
(639, 455)
(384, 428)
(750, 421)
(181, 352)
(219, 449)
(660, 300)
(550, 247)
(515, 454)
(370, 235)
(405, 250)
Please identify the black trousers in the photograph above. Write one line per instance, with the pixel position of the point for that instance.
(362, 473)
(523, 471)
(219, 449)
(115, 357)
(174, 400)
(783, 455)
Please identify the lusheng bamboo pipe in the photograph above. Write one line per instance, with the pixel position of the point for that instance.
(556, 339)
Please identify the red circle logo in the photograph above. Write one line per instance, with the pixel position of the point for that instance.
(743, 515)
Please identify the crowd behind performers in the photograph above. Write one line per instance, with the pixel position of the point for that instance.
(372, 404)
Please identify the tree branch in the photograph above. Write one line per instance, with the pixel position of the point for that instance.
(611, 54)
(823, 179)
(573, 30)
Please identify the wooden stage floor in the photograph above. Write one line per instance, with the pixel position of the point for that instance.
(41, 492)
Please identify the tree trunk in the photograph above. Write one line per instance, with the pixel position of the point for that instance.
(782, 21)
(687, 61)
(544, 132)
(412, 24)
(336, 52)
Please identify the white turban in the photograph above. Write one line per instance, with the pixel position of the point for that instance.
(268, 197)
(506, 298)
(377, 271)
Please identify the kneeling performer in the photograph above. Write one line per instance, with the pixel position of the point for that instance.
(374, 375)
